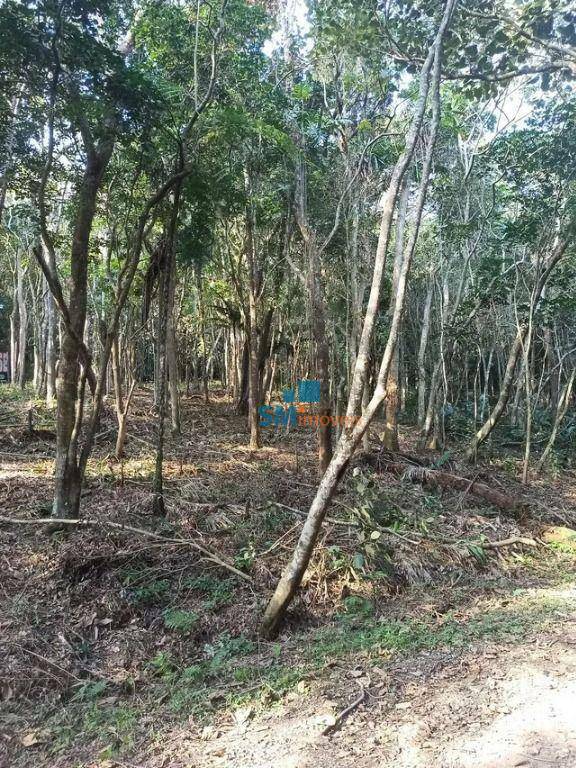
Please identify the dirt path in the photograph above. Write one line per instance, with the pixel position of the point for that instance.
(491, 706)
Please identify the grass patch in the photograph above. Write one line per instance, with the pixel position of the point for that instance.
(230, 674)
(357, 631)
(527, 614)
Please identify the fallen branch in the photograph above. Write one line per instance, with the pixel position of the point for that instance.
(527, 542)
(379, 458)
(344, 714)
(85, 523)
(508, 542)
(435, 478)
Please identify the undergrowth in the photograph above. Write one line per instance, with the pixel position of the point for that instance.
(236, 671)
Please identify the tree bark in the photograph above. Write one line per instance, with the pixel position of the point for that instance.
(50, 349)
(172, 355)
(158, 506)
(252, 321)
(561, 410)
(424, 334)
(71, 384)
(7, 152)
(390, 434)
(20, 361)
(320, 352)
(349, 440)
(437, 479)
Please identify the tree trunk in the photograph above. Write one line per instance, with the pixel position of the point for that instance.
(390, 434)
(70, 384)
(424, 334)
(7, 154)
(252, 322)
(561, 410)
(320, 352)
(22, 323)
(172, 359)
(50, 349)
(292, 576)
(388, 207)
(514, 355)
(321, 356)
(158, 506)
(203, 344)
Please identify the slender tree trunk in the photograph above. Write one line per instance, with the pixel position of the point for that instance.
(390, 434)
(424, 334)
(485, 390)
(365, 403)
(320, 357)
(551, 366)
(22, 323)
(515, 352)
(173, 377)
(158, 506)
(203, 343)
(172, 350)
(252, 322)
(388, 207)
(528, 391)
(292, 576)
(50, 349)
(7, 153)
(356, 290)
(14, 339)
(515, 408)
(562, 409)
(122, 405)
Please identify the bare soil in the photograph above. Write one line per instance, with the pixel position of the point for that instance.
(491, 706)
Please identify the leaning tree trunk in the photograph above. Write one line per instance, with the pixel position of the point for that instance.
(292, 575)
(561, 410)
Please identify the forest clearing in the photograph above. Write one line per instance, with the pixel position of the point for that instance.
(287, 365)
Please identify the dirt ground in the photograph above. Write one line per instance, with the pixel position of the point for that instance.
(117, 650)
(492, 706)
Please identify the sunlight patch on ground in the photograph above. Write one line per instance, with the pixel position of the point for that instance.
(539, 726)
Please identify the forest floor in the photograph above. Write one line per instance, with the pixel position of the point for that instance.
(118, 649)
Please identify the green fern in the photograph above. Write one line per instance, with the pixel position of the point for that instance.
(180, 621)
